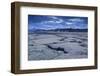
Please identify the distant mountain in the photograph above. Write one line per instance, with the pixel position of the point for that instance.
(60, 30)
(70, 30)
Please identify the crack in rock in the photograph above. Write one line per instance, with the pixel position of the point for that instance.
(57, 49)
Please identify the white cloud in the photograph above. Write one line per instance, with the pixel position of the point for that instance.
(53, 17)
(69, 23)
(59, 21)
(54, 20)
(76, 20)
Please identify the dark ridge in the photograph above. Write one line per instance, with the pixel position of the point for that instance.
(84, 39)
(54, 43)
(57, 49)
(79, 41)
(73, 40)
(70, 30)
(30, 44)
(83, 45)
(63, 38)
(58, 30)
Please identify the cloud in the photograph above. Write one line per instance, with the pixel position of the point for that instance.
(56, 19)
(76, 20)
(68, 23)
(53, 22)
(53, 17)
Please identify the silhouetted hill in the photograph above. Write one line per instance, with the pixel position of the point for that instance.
(60, 30)
(70, 30)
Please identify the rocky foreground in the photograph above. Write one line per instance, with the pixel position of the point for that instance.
(48, 46)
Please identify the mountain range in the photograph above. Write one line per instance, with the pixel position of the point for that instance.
(60, 30)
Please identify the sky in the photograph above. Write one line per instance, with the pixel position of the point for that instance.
(56, 22)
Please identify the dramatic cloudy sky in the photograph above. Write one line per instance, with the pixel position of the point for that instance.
(53, 22)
